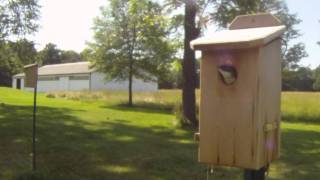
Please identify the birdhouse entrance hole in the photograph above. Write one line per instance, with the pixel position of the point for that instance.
(227, 71)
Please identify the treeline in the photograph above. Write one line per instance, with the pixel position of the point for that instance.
(301, 79)
(14, 55)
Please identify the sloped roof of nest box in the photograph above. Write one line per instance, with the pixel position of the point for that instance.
(245, 31)
(238, 38)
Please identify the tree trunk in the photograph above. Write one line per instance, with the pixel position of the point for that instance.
(189, 71)
(131, 62)
(130, 83)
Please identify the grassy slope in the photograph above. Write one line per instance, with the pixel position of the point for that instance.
(99, 140)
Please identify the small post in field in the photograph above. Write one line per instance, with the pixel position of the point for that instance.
(31, 78)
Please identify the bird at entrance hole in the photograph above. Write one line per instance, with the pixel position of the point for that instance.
(226, 69)
(228, 74)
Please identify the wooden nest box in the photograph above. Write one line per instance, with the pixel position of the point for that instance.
(240, 93)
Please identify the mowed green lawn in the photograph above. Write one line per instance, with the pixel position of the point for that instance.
(95, 137)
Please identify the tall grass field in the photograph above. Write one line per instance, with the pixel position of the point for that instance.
(93, 135)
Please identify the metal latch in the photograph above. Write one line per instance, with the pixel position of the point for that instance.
(270, 126)
(197, 137)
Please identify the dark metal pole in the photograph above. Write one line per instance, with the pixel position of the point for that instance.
(34, 128)
(255, 174)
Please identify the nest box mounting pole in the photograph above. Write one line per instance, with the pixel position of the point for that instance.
(255, 174)
(31, 78)
(34, 128)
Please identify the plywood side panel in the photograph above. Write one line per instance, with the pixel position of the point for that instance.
(269, 104)
(208, 145)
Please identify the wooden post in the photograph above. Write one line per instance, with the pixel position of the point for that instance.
(255, 174)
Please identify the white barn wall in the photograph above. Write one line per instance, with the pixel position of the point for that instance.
(52, 85)
(22, 83)
(98, 82)
(63, 83)
(14, 83)
(95, 81)
(79, 84)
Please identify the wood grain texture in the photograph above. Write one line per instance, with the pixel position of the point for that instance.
(240, 124)
(233, 118)
(254, 21)
(226, 121)
(270, 98)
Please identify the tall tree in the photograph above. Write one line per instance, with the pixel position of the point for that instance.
(25, 50)
(226, 10)
(189, 58)
(18, 17)
(9, 64)
(130, 41)
(50, 54)
(70, 56)
(13, 55)
(195, 18)
(85, 54)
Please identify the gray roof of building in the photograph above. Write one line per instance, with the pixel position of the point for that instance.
(63, 69)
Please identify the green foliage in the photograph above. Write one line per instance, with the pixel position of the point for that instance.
(299, 80)
(130, 41)
(25, 50)
(70, 56)
(85, 54)
(9, 64)
(50, 54)
(316, 75)
(18, 17)
(13, 56)
(293, 56)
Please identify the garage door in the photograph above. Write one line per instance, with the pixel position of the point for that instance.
(48, 83)
(78, 83)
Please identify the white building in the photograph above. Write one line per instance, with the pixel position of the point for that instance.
(78, 76)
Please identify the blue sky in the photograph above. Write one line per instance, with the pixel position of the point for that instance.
(68, 23)
(308, 11)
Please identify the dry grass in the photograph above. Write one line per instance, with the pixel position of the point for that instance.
(162, 97)
(295, 106)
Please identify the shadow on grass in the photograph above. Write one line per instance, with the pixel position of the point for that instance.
(70, 148)
(144, 107)
(301, 118)
(299, 155)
